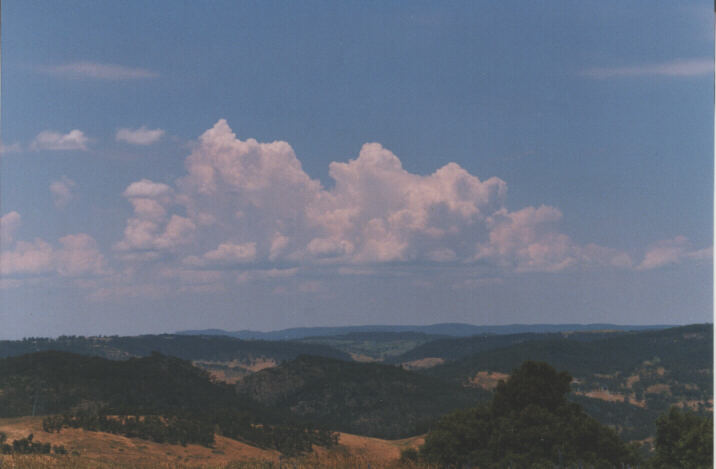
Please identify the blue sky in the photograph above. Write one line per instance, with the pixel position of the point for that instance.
(526, 163)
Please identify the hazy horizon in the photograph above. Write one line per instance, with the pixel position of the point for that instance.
(264, 165)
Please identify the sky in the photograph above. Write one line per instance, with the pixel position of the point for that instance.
(174, 165)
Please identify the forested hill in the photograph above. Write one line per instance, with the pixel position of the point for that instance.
(188, 347)
(57, 382)
(365, 398)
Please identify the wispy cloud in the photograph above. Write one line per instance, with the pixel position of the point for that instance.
(675, 68)
(94, 70)
(140, 136)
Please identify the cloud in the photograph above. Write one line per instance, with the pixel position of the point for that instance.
(33, 258)
(146, 189)
(77, 255)
(676, 68)
(527, 240)
(93, 70)
(62, 191)
(140, 136)
(155, 235)
(254, 201)
(671, 252)
(51, 140)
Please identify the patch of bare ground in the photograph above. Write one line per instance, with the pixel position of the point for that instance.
(631, 380)
(99, 450)
(427, 362)
(369, 450)
(359, 357)
(658, 389)
(235, 370)
(487, 379)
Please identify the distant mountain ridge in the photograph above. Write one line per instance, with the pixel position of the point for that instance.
(446, 329)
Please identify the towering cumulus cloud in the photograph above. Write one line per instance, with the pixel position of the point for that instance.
(249, 203)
